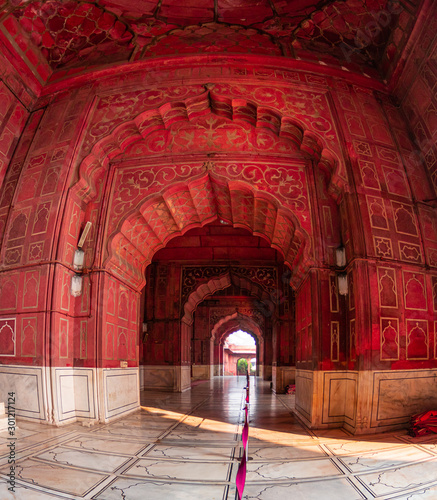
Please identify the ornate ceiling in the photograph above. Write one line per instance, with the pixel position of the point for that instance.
(58, 38)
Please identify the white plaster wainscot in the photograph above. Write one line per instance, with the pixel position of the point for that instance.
(3, 418)
(185, 378)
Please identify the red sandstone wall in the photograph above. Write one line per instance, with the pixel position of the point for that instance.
(163, 344)
(381, 223)
(32, 284)
(304, 335)
(404, 326)
(416, 92)
(15, 138)
(200, 344)
(13, 116)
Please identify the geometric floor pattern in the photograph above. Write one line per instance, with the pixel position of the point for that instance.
(186, 447)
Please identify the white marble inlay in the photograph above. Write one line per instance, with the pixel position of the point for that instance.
(67, 394)
(121, 390)
(27, 383)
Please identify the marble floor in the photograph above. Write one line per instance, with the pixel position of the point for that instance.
(186, 446)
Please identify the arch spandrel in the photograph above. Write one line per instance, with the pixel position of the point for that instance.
(302, 131)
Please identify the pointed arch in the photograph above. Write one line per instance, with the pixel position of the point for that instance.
(229, 324)
(188, 205)
(233, 322)
(219, 283)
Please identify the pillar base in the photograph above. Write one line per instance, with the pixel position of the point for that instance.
(165, 378)
(281, 377)
(267, 372)
(201, 372)
(364, 402)
(62, 395)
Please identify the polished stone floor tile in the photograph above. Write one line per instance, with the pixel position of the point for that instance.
(337, 489)
(25, 492)
(187, 446)
(349, 447)
(57, 478)
(181, 470)
(205, 453)
(428, 493)
(286, 471)
(282, 452)
(384, 459)
(128, 489)
(131, 432)
(86, 459)
(400, 478)
(199, 435)
(90, 443)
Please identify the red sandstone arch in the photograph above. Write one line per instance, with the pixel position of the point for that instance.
(233, 322)
(219, 283)
(143, 226)
(308, 143)
(229, 324)
(194, 204)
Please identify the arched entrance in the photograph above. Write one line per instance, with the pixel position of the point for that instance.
(239, 349)
(157, 148)
(252, 323)
(270, 192)
(209, 297)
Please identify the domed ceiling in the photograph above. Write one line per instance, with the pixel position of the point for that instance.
(58, 38)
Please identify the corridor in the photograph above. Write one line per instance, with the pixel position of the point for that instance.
(185, 446)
